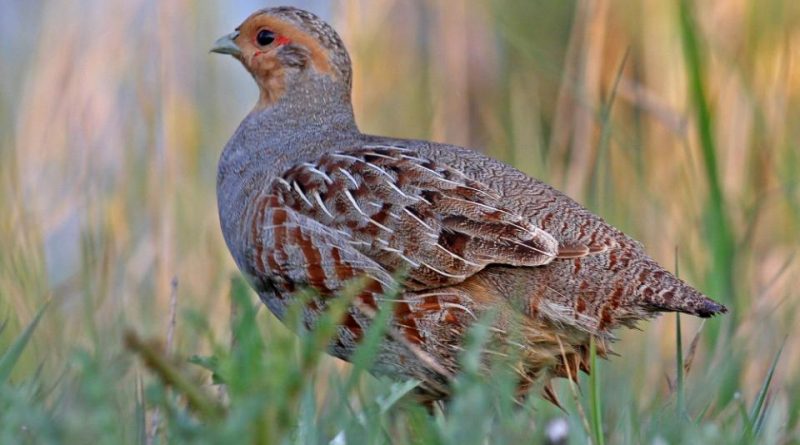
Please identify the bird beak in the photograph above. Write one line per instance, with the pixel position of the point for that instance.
(227, 45)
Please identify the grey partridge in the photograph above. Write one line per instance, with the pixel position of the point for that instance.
(441, 233)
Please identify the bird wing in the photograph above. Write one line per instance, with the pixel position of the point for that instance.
(406, 212)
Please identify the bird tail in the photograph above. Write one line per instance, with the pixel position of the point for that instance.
(662, 291)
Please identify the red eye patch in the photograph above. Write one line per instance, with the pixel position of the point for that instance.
(282, 40)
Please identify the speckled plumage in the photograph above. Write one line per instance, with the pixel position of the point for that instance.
(442, 233)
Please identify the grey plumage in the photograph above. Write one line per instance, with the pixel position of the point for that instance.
(307, 201)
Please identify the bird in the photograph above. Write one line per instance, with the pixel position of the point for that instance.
(440, 236)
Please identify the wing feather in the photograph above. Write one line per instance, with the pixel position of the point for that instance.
(407, 212)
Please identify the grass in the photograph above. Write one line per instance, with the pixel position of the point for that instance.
(598, 436)
(124, 320)
(716, 218)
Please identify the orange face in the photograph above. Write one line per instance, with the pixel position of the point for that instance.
(267, 46)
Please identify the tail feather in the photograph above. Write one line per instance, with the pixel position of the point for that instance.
(664, 292)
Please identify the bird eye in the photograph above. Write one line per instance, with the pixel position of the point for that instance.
(265, 37)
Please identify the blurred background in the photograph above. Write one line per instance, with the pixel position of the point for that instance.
(679, 125)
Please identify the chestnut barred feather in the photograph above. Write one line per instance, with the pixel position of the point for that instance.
(411, 214)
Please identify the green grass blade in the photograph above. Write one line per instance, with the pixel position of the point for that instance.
(396, 392)
(594, 388)
(718, 227)
(679, 377)
(679, 371)
(601, 172)
(171, 375)
(759, 410)
(140, 410)
(699, 419)
(307, 428)
(747, 435)
(12, 355)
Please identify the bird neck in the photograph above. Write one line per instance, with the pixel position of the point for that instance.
(312, 115)
(310, 106)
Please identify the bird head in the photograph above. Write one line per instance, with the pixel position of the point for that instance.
(284, 48)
